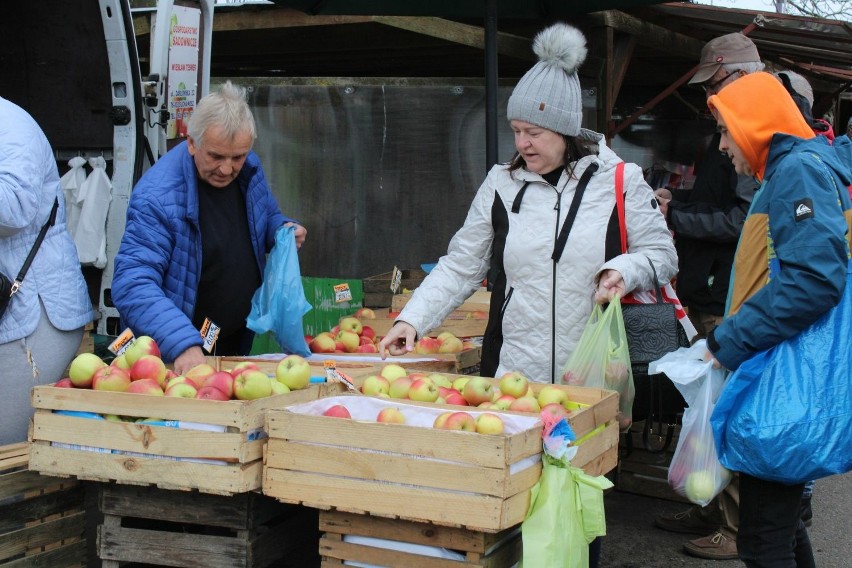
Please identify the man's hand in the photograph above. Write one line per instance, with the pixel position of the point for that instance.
(399, 340)
(609, 284)
(663, 197)
(189, 359)
(301, 233)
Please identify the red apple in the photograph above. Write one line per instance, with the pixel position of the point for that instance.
(221, 380)
(460, 421)
(504, 402)
(368, 333)
(83, 368)
(367, 348)
(145, 386)
(199, 374)
(337, 411)
(441, 420)
(422, 390)
(242, 367)
(211, 393)
(400, 388)
(64, 383)
(525, 404)
(322, 343)
(143, 345)
(392, 415)
(149, 367)
(111, 378)
(294, 372)
(427, 346)
(455, 398)
(365, 313)
(555, 409)
(477, 390)
(252, 385)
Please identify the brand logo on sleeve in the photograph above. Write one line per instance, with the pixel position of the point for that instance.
(804, 209)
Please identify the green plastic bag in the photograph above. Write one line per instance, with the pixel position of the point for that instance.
(602, 359)
(566, 513)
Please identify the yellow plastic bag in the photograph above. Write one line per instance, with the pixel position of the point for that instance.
(602, 359)
(566, 513)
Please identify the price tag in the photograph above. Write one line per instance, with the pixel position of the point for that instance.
(209, 333)
(396, 280)
(342, 293)
(332, 374)
(122, 342)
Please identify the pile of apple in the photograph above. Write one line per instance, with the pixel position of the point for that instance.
(485, 423)
(140, 370)
(348, 336)
(512, 393)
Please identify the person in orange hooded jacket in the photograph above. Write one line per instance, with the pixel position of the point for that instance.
(777, 276)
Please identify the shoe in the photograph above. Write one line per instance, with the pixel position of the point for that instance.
(805, 511)
(687, 522)
(717, 546)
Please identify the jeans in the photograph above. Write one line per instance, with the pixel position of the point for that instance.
(772, 535)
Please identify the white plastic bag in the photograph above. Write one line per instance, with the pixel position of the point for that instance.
(71, 182)
(90, 236)
(695, 471)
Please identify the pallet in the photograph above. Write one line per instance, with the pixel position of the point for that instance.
(224, 455)
(471, 548)
(42, 519)
(417, 473)
(643, 472)
(196, 530)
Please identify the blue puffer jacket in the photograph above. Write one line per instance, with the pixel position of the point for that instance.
(29, 184)
(158, 266)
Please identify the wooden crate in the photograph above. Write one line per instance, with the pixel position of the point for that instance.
(377, 291)
(223, 455)
(415, 472)
(458, 323)
(349, 537)
(194, 530)
(643, 472)
(42, 519)
(479, 301)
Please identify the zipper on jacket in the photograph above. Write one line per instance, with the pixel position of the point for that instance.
(506, 302)
(558, 209)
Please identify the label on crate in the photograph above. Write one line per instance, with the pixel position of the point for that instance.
(120, 344)
(332, 374)
(79, 447)
(396, 280)
(342, 293)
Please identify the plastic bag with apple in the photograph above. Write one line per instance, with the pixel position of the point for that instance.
(695, 471)
(602, 359)
(279, 304)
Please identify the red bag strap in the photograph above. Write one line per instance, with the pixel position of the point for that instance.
(619, 203)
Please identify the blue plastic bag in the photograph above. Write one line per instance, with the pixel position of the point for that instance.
(786, 414)
(279, 304)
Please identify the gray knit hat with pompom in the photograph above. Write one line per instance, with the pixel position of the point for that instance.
(549, 94)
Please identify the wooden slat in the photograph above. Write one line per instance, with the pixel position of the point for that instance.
(208, 478)
(42, 534)
(69, 556)
(170, 548)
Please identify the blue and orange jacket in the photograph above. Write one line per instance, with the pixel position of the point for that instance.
(792, 259)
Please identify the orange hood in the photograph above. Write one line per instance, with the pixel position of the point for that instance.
(754, 108)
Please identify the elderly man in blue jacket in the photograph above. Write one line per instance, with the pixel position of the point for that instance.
(199, 225)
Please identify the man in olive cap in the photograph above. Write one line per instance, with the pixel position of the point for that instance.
(707, 221)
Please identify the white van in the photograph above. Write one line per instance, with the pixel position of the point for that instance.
(73, 65)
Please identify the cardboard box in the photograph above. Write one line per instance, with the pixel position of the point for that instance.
(415, 472)
(210, 446)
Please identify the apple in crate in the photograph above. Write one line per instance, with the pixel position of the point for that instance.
(211, 393)
(400, 388)
(110, 378)
(427, 346)
(352, 324)
(478, 390)
(64, 383)
(368, 332)
(121, 361)
(459, 383)
(455, 397)
(550, 394)
(555, 409)
(392, 372)
(337, 411)
(441, 420)
(503, 402)
(252, 385)
(460, 421)
(365, 313)
(199, 374)
(525, 404)
(294, 372)
(242, 367)
(392, 415)
(181, 389)
(149, 367)
(145, 386)
(366, 348)
(514, 384)
(489, 423)
(142, 345)
(349, 339)
(222, 380)
(375, 384)
(277, 386)
(83, 368)
(322, 343)
(451, 344)
(422, 390)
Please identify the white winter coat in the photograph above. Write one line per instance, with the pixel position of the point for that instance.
(547, 306)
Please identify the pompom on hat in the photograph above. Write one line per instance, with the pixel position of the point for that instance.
(549, 95)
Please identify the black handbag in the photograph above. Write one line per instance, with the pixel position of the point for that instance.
(652, 331)
(9, 288)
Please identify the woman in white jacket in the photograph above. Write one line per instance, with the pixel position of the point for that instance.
(544, 286)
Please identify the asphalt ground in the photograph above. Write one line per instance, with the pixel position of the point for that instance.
(633, 541)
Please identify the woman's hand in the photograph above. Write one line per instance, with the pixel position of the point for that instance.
(609, 284)
(399, 340)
